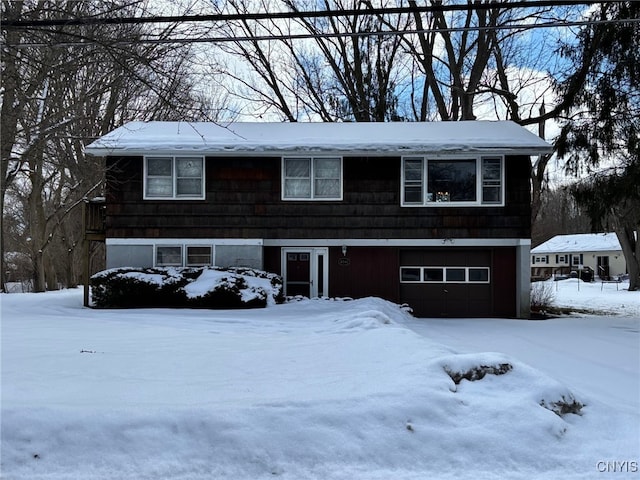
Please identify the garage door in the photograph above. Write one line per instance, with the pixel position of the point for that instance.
(447, 282)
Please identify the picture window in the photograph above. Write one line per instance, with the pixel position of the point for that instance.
(452, 181)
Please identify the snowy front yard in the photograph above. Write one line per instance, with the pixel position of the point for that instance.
(313, 389)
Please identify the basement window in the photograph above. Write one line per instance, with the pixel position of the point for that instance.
(169, 256)
(198, 256)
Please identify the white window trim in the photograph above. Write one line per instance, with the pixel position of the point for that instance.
(311, 179)
(174, 178)
(422, 280)
(168, 245)
(186, 255)
(477, 203)
(183, 253)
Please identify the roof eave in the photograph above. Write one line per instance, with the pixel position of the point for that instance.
(347, 151)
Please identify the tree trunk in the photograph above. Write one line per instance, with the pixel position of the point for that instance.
(39, 282)
(8, 125)
(631, 250)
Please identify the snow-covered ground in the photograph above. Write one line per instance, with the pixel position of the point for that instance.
(317, 389)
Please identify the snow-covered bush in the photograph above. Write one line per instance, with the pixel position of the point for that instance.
(138, 287)
(204, 287)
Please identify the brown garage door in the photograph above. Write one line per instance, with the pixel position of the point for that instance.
(447, 282)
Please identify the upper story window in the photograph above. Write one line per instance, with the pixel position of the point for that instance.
(459, 181)
(312, 178)
(174, 177)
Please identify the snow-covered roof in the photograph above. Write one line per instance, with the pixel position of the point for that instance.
(581, 242)
(246, 138)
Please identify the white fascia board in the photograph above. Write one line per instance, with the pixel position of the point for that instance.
(279, 152)
(398, 242)
(330, 242)
(186, 241)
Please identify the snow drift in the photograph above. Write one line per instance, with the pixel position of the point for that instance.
(314, 389)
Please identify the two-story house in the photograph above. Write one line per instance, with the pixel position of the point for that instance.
(435, 215)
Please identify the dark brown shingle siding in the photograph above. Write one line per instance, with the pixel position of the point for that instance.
(243, 201)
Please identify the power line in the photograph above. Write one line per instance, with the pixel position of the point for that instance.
(225, 17)
(304, 36)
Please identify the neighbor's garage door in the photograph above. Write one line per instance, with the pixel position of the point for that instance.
(448, 282)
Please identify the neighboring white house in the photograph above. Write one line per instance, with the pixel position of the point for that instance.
(563, 254)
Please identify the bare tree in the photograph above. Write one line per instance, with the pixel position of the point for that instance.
(488, 62)
(560, 214)
(57, 98)
(342, 71)
(485, 61)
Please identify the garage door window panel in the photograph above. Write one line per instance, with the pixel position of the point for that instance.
(410, 274)
(478, 275)
(456, 275)
(449, 275)
(433, 274)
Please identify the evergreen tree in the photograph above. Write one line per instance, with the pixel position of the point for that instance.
(601, 135)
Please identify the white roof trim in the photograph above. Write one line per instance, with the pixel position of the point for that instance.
(331, 242)
(398, 242)
(358, 138)
(179, 241)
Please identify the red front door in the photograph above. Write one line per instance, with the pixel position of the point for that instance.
(298, 275)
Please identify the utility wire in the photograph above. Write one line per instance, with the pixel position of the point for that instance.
(303, 36)
(225, 17)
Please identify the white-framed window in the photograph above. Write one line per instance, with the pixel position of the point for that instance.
(576, 260)
(183, 255)
(541, 259)
(562, 259)
(168, 256)
(452, 181)
(415, 274)
(174, 178)
(198, 255)
(312, 178)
